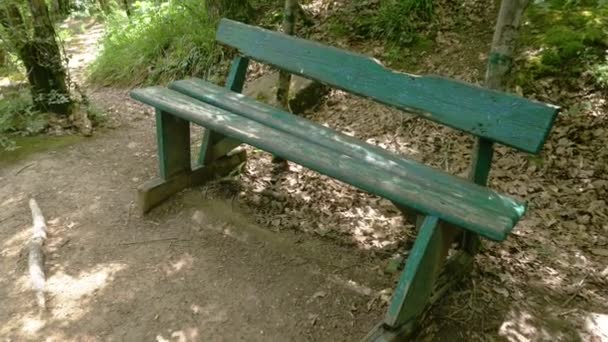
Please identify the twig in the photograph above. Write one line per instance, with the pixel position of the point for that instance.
(128, 214)
(24, 168)
(36, 256)
(150, 241)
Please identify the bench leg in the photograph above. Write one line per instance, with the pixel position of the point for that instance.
(426, 276)
(176, 173)
(158, 190)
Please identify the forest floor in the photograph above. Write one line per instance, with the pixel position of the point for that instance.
(272, 257)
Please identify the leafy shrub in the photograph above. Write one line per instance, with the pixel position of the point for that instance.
(18, 116)
(600, 74)
(569, 37)
(160, 42)
(393, 21)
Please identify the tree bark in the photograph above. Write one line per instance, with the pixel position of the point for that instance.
(47, 74)
(289, 24)
(499, 65)
(40, 55)
(284, 83)
(504, 41)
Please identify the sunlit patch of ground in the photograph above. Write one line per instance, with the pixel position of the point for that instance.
(70, 296)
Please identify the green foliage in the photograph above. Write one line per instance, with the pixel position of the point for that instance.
(569, 37)
(393, 21)
(600, 74)
(159, 43)
(18, 116)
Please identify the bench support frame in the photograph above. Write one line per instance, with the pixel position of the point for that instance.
(427, 275)
(176, 172)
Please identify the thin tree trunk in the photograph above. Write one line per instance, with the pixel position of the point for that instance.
(289, 24)
(504, 41)
(499, 65)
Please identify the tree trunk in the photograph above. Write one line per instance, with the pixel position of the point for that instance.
(504, 41)
(499, 65)
(43, 61)
(289, 24)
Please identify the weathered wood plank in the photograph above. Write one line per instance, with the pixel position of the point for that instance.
(498, 116)
(173, 139)
(476, 208)
(321, 135)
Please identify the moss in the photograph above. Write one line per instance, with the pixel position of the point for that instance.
(26, 146)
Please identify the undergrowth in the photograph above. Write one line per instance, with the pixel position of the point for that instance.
(565, 39)
(396, 22)
(17, 115)
(158, 43)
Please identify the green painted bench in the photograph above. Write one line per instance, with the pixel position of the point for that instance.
(450, 212)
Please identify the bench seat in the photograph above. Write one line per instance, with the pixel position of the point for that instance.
(405, 182)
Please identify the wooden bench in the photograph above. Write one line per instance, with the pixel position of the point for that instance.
(449, 211)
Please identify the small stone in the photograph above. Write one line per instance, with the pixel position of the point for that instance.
(198, 217)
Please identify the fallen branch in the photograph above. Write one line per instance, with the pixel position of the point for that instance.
(150, 241)
(36, 256)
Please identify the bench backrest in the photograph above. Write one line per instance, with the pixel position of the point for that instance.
(505, 118)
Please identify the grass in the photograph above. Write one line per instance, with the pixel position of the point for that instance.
(157, 44)
(396, 22)
(17, 116)
(565, 39)
(25, 146)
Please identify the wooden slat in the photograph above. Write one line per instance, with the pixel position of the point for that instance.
(468, 210)
(500, 117)
(173, 140)
(321, 135)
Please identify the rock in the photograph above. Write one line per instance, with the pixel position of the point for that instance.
(198, 217)
(303, 93)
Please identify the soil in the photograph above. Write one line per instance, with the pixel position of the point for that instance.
(292, 255)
